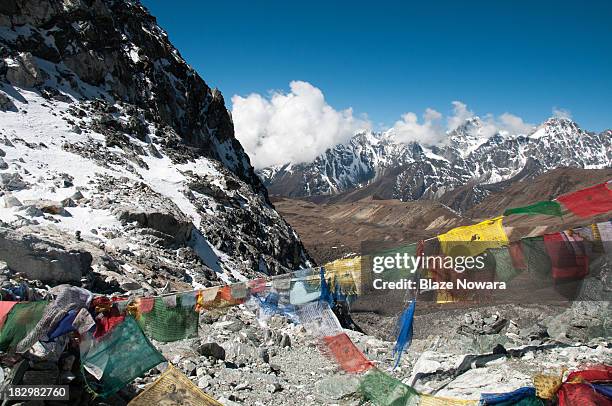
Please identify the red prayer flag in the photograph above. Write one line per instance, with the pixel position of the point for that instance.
(145, 304)
(567, 256)
(107, 321)
(346, 354)
(5, 309)
(590, 201)
(581, 394)
(516, 255)
(599, 373)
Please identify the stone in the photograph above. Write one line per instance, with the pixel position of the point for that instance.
(48, 206)
(8, 201)
(337, 387)
(6, 103)
(274, 387)
(264, 355)
(243, 386)
(31, 211)
(25, 72)
(11, 181)
(76, 196)
(68, 202)
(3, 164)
(189, 368)
(204, 382)
(235, 326)
(212, 350)
(285, 341)
(42, 258)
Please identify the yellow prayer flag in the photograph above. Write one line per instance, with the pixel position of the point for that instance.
(547, 385)
(475, 239)
(173, 388)
(429, 400)
(346, 273)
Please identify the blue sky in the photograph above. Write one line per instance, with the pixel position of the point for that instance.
(386, 58)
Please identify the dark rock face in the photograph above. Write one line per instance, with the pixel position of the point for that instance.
(156, 142)
(117, 45)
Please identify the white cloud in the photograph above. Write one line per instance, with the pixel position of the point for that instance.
(299, 125)
(433, 131)
(409, 129)
(460, 114)
(291, 127)
(561, 113)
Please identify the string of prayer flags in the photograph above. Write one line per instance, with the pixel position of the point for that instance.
(170, 320)
(505, 270)
(384, 390)
(474, 239)
(405, 331)
(108, 320)
(64, 326)
(66, 298)
(549, 208)
(119, 357)
(346, 354)
(83, 322)
(205, 298)
(326, 294)
(173, 388)
(605, 390)
(538, 261)
(590, 201)
(595, 373)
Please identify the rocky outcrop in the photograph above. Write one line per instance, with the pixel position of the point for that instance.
(41, 258)
(129, 150)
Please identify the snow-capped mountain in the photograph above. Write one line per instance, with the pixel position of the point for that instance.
(117, 158)
(468, 157)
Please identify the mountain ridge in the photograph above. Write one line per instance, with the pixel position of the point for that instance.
(419, 172)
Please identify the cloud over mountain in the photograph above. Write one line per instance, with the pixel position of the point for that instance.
(298, 125)
(291, 127)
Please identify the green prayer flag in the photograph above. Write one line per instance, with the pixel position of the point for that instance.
(22, 318)
(119, 357)
(384, 390)
(504, 268)
(537, 259)
(166, 323)
(550, 208)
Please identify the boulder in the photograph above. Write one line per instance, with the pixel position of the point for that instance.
(8, 201)
(6, 103)
(11, 181)
(172, 224)
(213, 350)
(39, 258)
(24, 71)
(48, 206)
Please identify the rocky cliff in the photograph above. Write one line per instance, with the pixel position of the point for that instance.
(119, 164)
